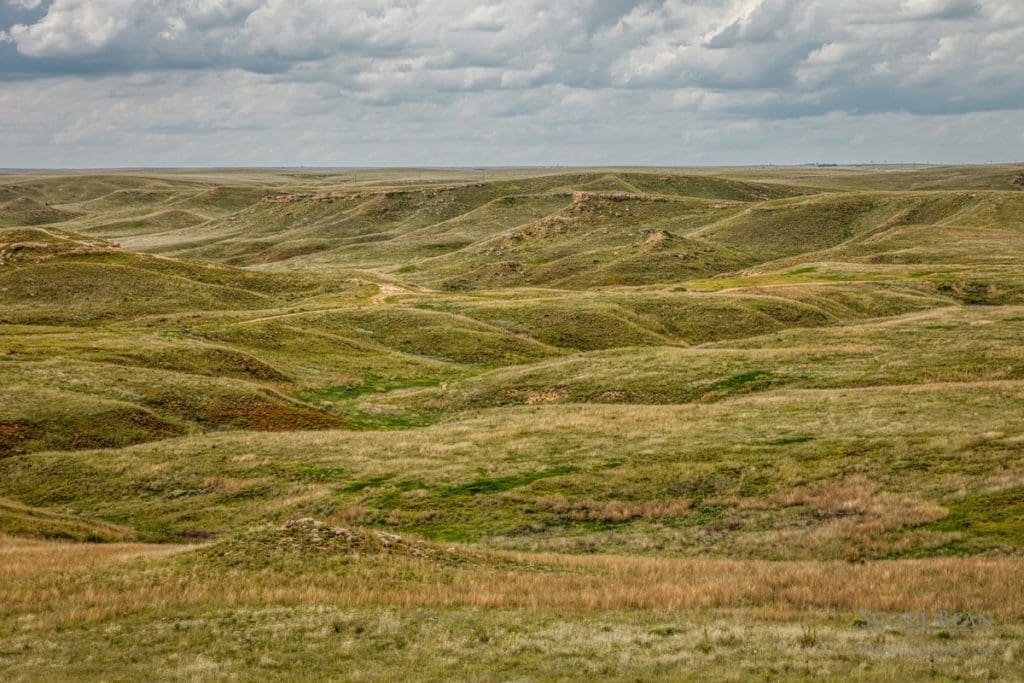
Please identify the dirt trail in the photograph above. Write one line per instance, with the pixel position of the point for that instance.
(387, 290)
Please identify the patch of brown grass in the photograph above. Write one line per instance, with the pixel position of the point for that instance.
(552, 395)
(22, 558)
(74, 582)
(849, 518)
(858, 500)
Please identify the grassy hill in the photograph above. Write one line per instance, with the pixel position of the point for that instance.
(620, 422)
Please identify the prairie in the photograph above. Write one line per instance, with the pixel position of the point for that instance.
(621, 422)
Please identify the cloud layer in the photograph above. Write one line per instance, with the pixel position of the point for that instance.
(455, 82)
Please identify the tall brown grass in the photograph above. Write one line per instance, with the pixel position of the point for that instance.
(69, 582)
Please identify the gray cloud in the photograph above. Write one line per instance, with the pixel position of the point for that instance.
(529, 75)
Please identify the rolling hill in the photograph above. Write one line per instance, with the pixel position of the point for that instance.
(232, 400)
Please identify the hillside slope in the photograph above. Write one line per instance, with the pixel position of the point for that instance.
(494, 361)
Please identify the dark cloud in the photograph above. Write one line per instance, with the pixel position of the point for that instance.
(942, 9)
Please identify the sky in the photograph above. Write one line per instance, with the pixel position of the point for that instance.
(147, 83)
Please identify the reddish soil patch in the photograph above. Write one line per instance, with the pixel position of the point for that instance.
(12, 435)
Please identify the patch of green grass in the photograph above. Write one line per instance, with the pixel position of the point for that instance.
(367, 483)
(323, 473)
(498, 484)
(788, 440)
(985, 520)
(665, 630)
(705, 513)
(742, 380)
(21, 520)
(368, 385)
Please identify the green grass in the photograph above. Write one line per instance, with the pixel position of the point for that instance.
(985, 518)
(554, 385)
(21, 520)
(498, 484)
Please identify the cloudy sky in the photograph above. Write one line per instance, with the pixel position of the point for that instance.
(90, 83)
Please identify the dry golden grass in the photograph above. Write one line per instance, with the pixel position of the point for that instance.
(858, 501)
(850, 518)
(21, 557)
(605, 582)
(74, 582)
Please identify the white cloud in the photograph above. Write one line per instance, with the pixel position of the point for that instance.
(599, 70)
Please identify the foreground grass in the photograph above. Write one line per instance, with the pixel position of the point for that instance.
(250, 610)
(317, 643)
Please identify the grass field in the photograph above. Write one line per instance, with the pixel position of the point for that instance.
(623, 423)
